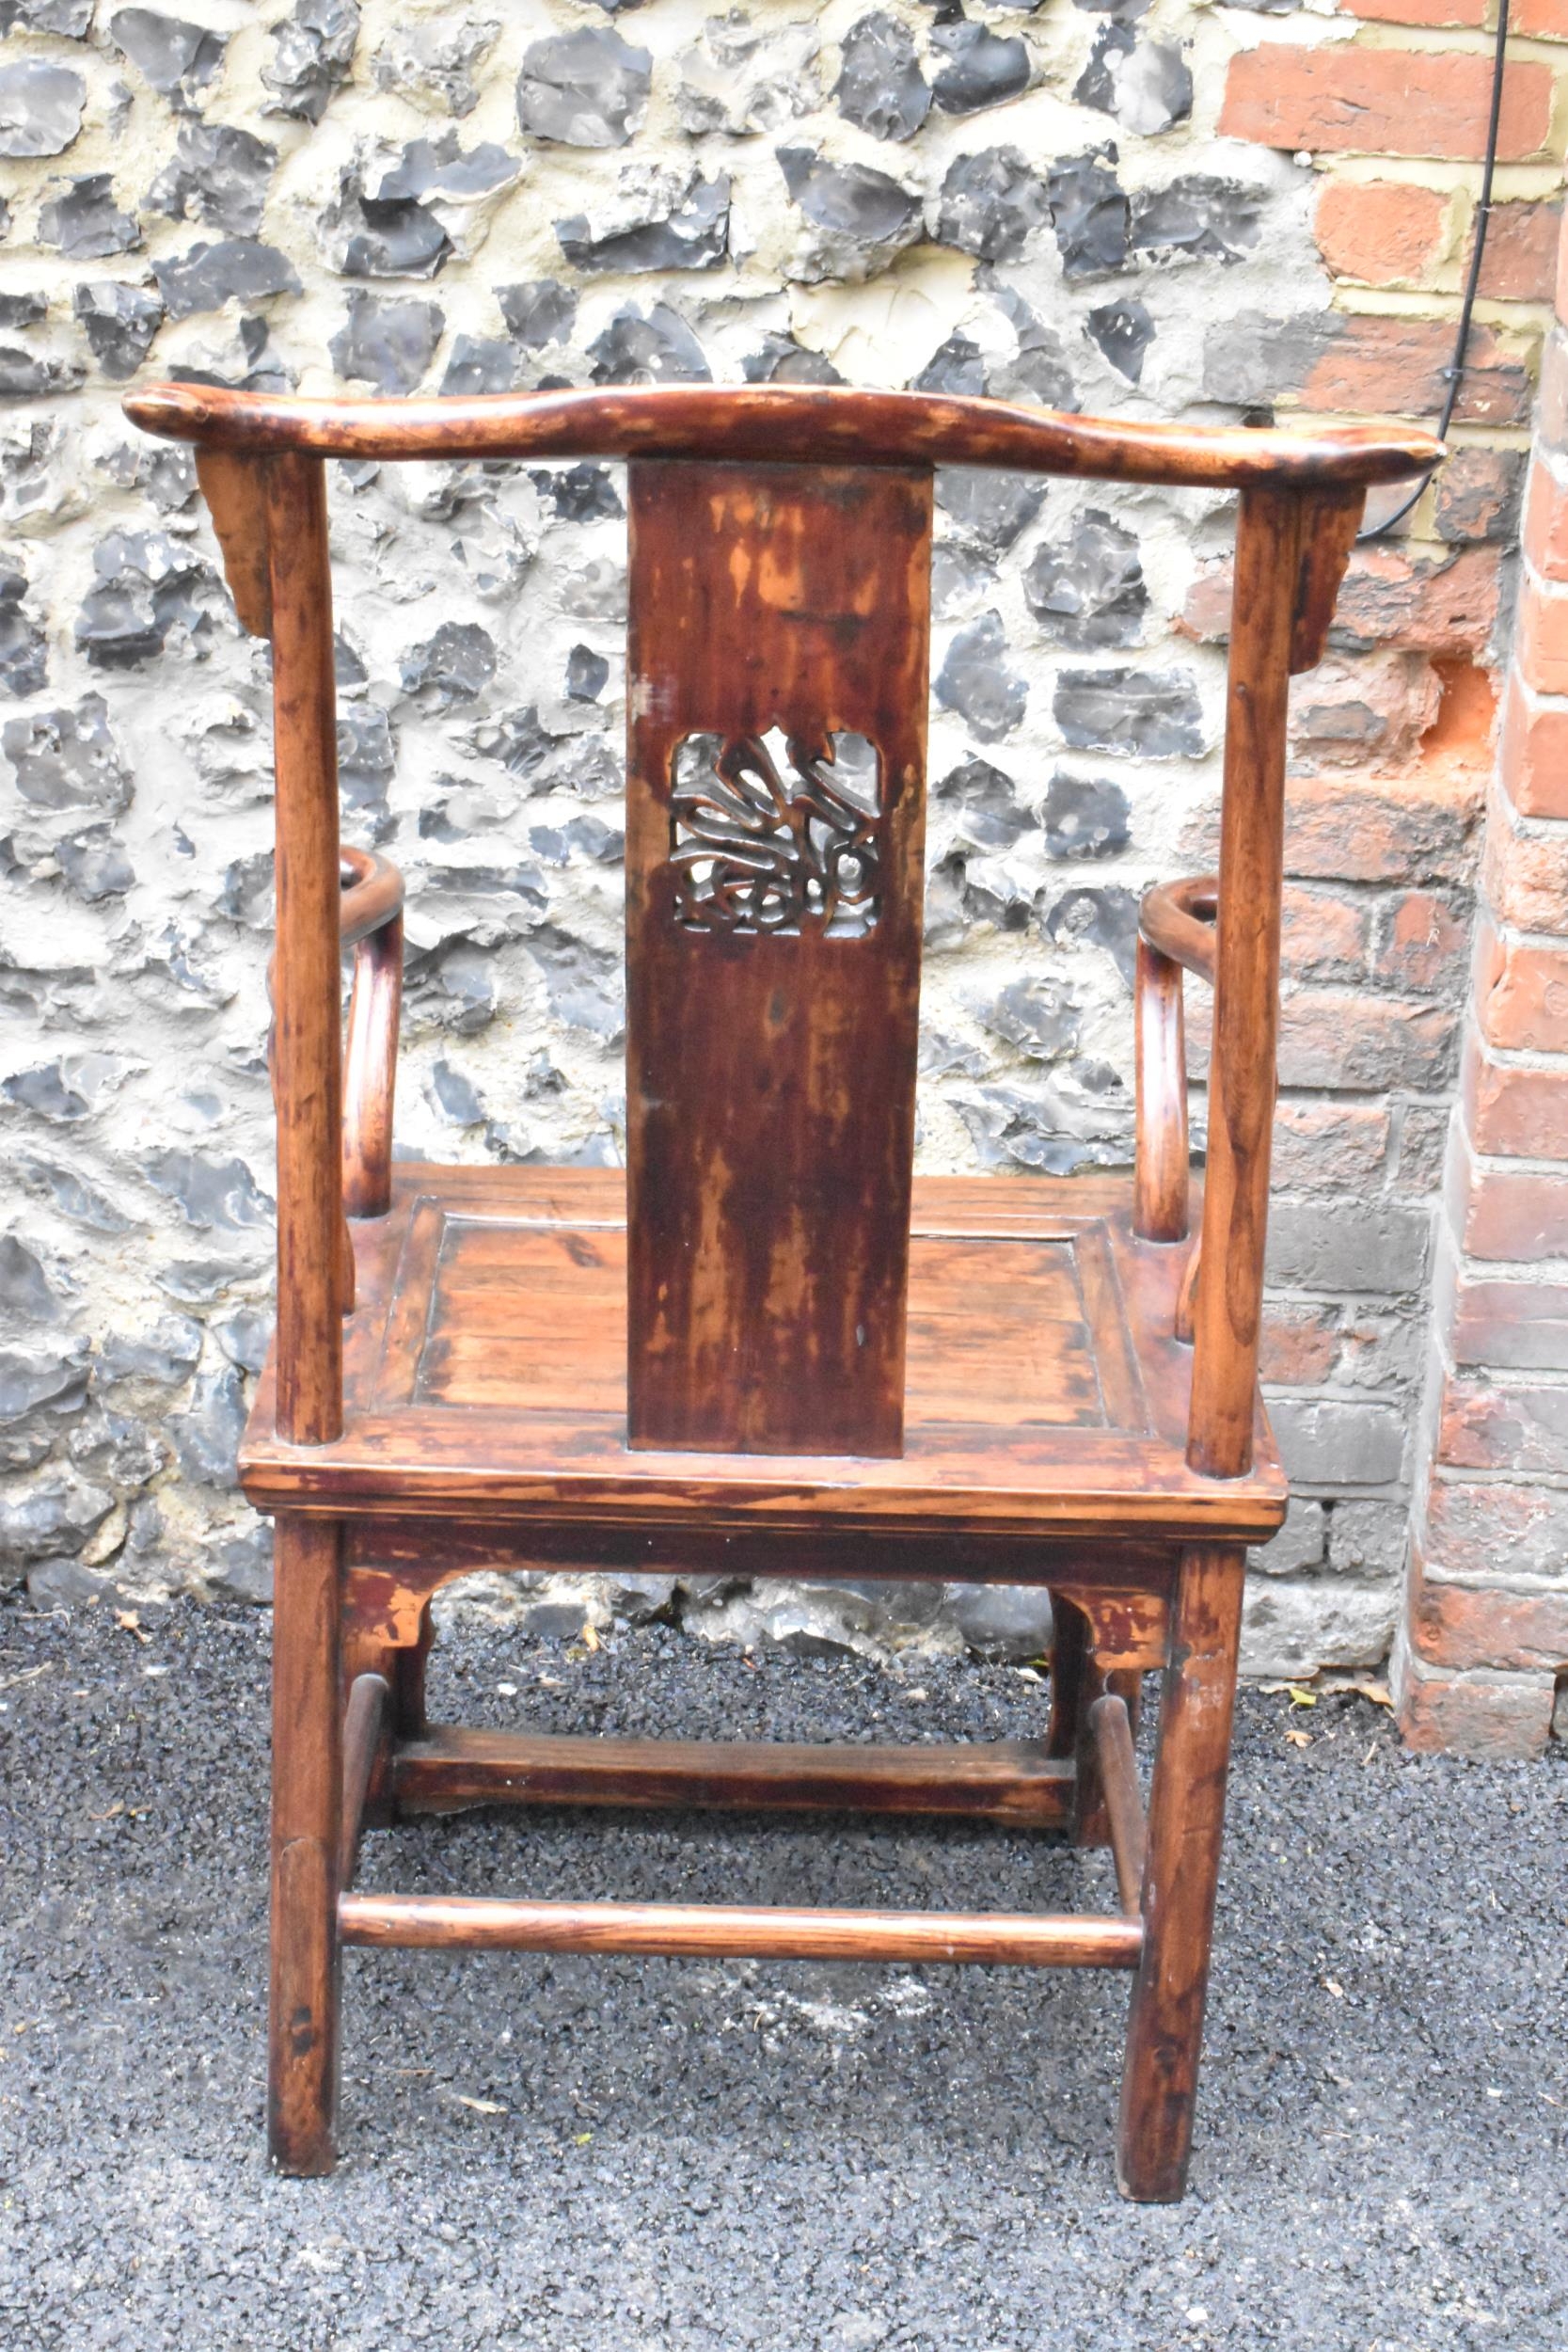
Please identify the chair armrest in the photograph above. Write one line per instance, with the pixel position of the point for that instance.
(1176, 935)
(1178, 920)
(370, 922)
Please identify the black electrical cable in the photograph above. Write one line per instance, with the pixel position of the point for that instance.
(1453, 373)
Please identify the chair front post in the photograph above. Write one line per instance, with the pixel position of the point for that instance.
(306, 1754)
(1186, 1826)
(306, 1808)
(1187, 1797)
(1242, 1080)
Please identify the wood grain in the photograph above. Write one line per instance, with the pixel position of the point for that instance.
(1032, 1454)
(1002, 1781)
(370, 921)
(1000, 1329)
(1241, 1077)
(1178, 920)
(1186, 1824)
(1120, 1589)
(771, 1075)
(472, 1923)
(1112, 1728)
(798, 425)
(306, 1814)
(1162, 1172)
(367, 1722)
(370, 894)
(821, 1370)
(1327, 535)
(235, 490)
(1186, 1300)
(307, 1045)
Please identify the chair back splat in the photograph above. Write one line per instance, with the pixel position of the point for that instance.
(779, 618)
(770, 1350)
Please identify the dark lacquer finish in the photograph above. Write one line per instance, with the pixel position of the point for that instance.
(794, 424)
(469, 1923)
(370, 922)
(767, 1353)
(775, 823)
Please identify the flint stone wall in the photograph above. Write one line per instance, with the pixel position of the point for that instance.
(1039, 202)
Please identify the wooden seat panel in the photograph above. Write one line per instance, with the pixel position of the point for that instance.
(484, 1366)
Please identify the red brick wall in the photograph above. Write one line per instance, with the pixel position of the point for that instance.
(1483, 1661)
(1393, 817)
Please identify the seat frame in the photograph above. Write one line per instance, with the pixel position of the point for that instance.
(1134, 1588)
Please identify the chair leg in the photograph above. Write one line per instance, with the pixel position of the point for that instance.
(307, 1802)
(1186, 1820)
(1076, 1683)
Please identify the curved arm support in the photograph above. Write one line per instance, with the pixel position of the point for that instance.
(370, 922)
(1175, 935)
(1178, 920)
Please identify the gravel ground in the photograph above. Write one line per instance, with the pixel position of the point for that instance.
(655, 2156)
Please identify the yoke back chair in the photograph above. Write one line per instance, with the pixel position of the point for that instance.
(766, 1347)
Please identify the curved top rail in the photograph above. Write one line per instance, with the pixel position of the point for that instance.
(803, 423)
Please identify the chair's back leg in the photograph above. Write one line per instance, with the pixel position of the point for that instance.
(307, 1726)
(1186, 1819)
(1076, 1683)
(307, 1802)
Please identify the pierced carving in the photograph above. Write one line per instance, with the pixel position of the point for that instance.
(753, 853)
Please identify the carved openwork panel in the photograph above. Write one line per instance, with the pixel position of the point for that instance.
(769, 834)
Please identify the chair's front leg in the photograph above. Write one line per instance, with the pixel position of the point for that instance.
(1186, 1820)
(307, 1802)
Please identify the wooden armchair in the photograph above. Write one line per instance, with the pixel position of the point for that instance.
(765, 1345)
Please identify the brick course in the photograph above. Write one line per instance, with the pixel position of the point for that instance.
(1507, 1213)
(1484, 1714)
(1519, 1428)
(1542, 646)
(1533, 754)
(1383, 829)
(1360, 363)
(1515, 1110)
(1402, 234)
(1518, 1325)
(1524, 870)
(1521, 992)
(1421, 940)
(1433, 12)
(1353, 101)
(1540, 19)
(1384, 232)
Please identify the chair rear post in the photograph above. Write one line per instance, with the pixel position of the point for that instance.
(306, 1002)
(1241, 1081)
